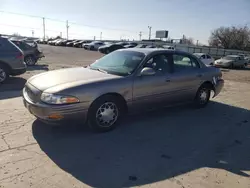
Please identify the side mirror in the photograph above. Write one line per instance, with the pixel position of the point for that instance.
(147, 71)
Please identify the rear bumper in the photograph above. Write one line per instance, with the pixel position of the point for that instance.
(218, 87)
(15, 72)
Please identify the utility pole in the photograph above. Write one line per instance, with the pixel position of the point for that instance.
(101, 36)
(140, 34)
(32, 33)
(43, 28)
(67, 29)
(149, 33)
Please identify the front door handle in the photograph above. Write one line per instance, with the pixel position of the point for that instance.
(167, 80)
(199, 75)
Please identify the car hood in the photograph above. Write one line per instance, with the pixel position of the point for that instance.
(67, 78)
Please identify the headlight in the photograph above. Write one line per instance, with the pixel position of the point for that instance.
(58, 99)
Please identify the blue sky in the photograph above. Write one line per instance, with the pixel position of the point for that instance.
(123, 18)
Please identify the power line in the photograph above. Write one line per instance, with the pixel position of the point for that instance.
(73, 23)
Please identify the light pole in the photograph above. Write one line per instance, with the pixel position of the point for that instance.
(67, 29)
(140, 34)
(149, 33)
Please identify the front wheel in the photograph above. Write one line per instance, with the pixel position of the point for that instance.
(202, 96)
(104, 114)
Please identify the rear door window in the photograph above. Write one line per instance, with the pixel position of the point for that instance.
(183, 63)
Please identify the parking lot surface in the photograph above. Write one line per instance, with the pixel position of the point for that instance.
(177, 147)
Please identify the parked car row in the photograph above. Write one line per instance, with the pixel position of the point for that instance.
(231, 61)
(120, 45)
(103, 47)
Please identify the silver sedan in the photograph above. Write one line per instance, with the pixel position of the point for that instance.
(127, 80)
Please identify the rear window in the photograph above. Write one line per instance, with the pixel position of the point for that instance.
(7, 45)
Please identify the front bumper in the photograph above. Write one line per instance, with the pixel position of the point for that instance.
(218, 87)
(55, 114)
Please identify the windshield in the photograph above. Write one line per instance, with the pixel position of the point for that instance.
(230, 57)
(121, 63)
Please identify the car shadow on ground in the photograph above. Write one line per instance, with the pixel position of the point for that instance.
(36, 67)
(153, 146)
(14, 84)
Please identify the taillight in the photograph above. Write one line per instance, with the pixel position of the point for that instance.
(20, 56)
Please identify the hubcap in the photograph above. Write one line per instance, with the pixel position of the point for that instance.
(29, 61)
(107, 114)
(2, 75)
(203, 96)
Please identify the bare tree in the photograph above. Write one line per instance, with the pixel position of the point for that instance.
(189, 40)
(230, 37)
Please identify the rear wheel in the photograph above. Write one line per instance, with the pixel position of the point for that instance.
(105, 113)
(4, 74)
(202, 96)
(29, 60)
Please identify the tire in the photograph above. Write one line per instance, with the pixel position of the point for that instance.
(91, 48)
(30, 60)
(202, 96)
(107, 51)
(4, 74)
(232, 66)
(109, 104)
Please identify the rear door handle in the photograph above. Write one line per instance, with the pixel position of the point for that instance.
(167, 80)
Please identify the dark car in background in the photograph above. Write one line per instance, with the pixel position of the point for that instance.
(63, 42)
(131, 45)
(141, 46)
(95, 45)
(109, 48)
(80, 43)
(71, 43)
(31, 54)
(150, 46)
(11, 60)
(122, 43)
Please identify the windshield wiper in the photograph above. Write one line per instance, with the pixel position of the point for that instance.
(98, 69)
